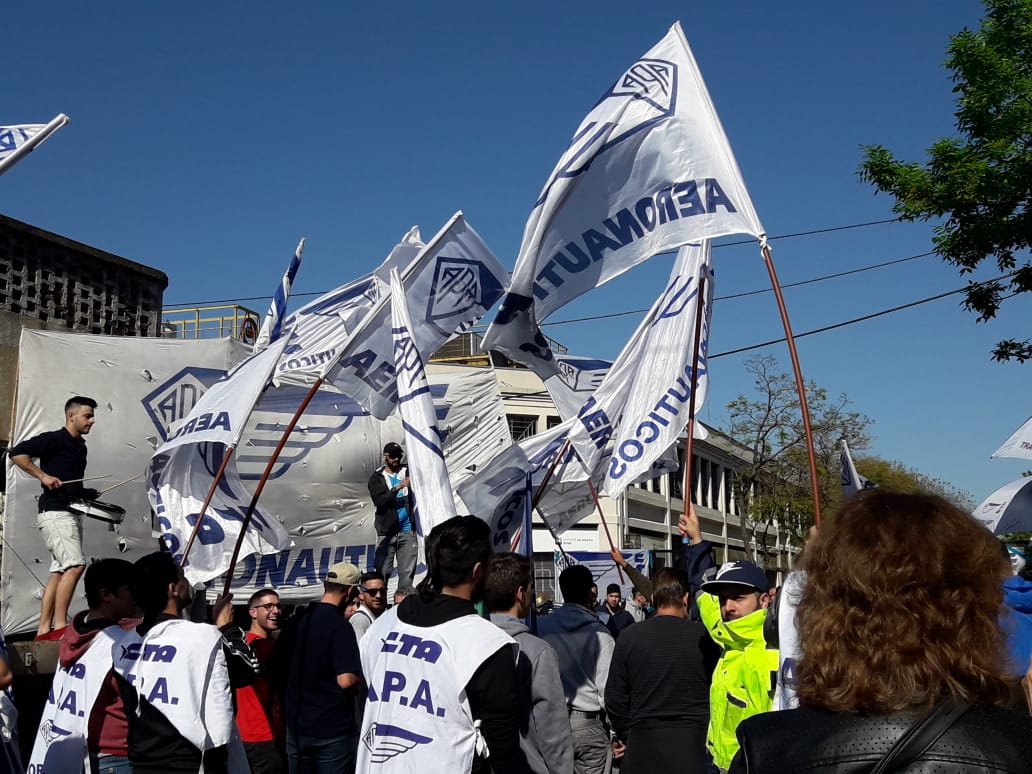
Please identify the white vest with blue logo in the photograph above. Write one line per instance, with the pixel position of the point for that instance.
(180, 669)
(417, 716)
(61, 739)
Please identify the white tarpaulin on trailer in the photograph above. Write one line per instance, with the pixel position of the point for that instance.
(143, 386)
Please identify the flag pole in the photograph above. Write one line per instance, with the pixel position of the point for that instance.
(265, 477)
(800, 385)
(541, 493)
(33, 142)
(686, 487)
(605, 525)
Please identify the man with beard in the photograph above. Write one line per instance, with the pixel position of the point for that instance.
(395, 518)
(259, 719)
(372, 597)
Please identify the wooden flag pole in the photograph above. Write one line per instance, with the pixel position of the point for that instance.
(605, 525)
(800, 385)
(265, 477)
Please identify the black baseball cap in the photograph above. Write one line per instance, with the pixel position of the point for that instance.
(392, 450)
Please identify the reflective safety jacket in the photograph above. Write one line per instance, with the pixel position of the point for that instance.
(744, 678)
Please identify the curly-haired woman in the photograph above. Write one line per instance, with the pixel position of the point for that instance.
(899, 621)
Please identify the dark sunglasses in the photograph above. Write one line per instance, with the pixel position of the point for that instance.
(381, 590)
(269, 606)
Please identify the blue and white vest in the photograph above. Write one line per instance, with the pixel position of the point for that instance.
(417, 717)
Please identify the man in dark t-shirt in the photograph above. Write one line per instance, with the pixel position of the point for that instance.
(324, 673)
(61, 467)
(657, 694)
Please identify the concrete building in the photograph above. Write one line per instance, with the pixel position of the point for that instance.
(50, 282)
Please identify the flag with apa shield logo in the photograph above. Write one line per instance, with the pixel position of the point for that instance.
(649, 169)
(453, 281)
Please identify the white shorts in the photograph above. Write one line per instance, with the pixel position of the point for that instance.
(62, 532)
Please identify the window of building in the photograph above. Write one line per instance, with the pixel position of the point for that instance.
(521, 425)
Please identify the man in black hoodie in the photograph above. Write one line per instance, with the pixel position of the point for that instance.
(431, 664)
(176, 677)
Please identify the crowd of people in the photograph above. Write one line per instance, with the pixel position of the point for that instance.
(898, 646)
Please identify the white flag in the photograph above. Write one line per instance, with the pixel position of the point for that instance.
(178, 481)
(575, 380)
(221, 413)
(453, 281)
(432, 491)
(852, 482)
(1019, 444)
(641, 407)
(182, 470)
(272, 327)
(319, 329)
(18, 140)
(649, 169)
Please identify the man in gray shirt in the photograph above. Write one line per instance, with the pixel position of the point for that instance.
(545, 735)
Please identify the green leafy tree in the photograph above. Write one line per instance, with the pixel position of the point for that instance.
(776, 483)
(979, 185)
(897, 477)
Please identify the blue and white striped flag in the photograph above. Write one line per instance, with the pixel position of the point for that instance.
(431, 487)
(18, 140)
(273, 325)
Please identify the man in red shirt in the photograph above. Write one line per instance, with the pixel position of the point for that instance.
(258, 712)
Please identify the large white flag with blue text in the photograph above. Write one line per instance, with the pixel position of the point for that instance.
(18, 140)
(641, 407)
(453, 281)
(178, 480)
(181, 472)
(424, 445)
(272, 327)
(648, 170)
(1019, 444)
(319, 329)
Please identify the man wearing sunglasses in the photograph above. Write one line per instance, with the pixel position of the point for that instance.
(372, 597)
(259, 718)
(394, 520)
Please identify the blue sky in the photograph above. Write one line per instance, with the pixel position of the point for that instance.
(205, 139)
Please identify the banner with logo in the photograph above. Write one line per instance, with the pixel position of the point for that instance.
(142, 386)
(318, 488)
(649, 169)
(434, 501)
(451, 284)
